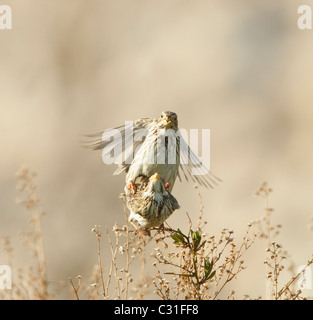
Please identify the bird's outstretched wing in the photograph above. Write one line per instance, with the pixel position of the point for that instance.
(128, 137)
(192, 168)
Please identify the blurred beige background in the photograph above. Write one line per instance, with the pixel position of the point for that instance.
(241, 68)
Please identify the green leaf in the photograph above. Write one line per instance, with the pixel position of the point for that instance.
(211, 275)
(207, 266)
(201, 245)
(196, 239)
(180, 274)
(178, 237)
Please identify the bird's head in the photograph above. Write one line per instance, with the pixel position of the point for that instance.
(168, 120)
(156, 183)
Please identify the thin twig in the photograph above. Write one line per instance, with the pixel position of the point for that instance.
(74, 289)
(292, 280)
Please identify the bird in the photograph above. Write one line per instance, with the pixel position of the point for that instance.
(152, 146)
(149, 201)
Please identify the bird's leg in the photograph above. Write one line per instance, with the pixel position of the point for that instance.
(161, 229)
(140, 231)
(133, 224)
(131, 186)
(146, 232)
(167, 186)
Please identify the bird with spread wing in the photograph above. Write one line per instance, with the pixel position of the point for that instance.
(152, 146)
(147, 141)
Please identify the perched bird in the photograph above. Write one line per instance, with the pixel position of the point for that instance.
(149, 202)
(152, 146)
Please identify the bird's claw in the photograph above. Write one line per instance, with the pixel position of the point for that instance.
(131, 186)
(167, 186)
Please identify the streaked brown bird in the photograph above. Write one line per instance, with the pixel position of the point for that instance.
(152, 146)
(149, 201)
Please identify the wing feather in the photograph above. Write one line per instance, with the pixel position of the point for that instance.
(192, 168)
(122, 135)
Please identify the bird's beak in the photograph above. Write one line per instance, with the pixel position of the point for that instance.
(156, 177)
(167, 121)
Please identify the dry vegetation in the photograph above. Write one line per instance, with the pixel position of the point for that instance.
(170, 264)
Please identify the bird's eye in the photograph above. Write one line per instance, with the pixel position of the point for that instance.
(161, 115)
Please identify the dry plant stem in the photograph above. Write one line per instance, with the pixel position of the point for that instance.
(275, 256)
(114, 263)
(264, 192)
(275, 266)
(74, 289)
(127, 244)
(100, 264)
(201, 208)
(100, 268)
(291, 281)
(40, 252)
(127, 258)
(269, 285)
(111, 265)
(237, 255)
(32, 205)
(142, 274)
